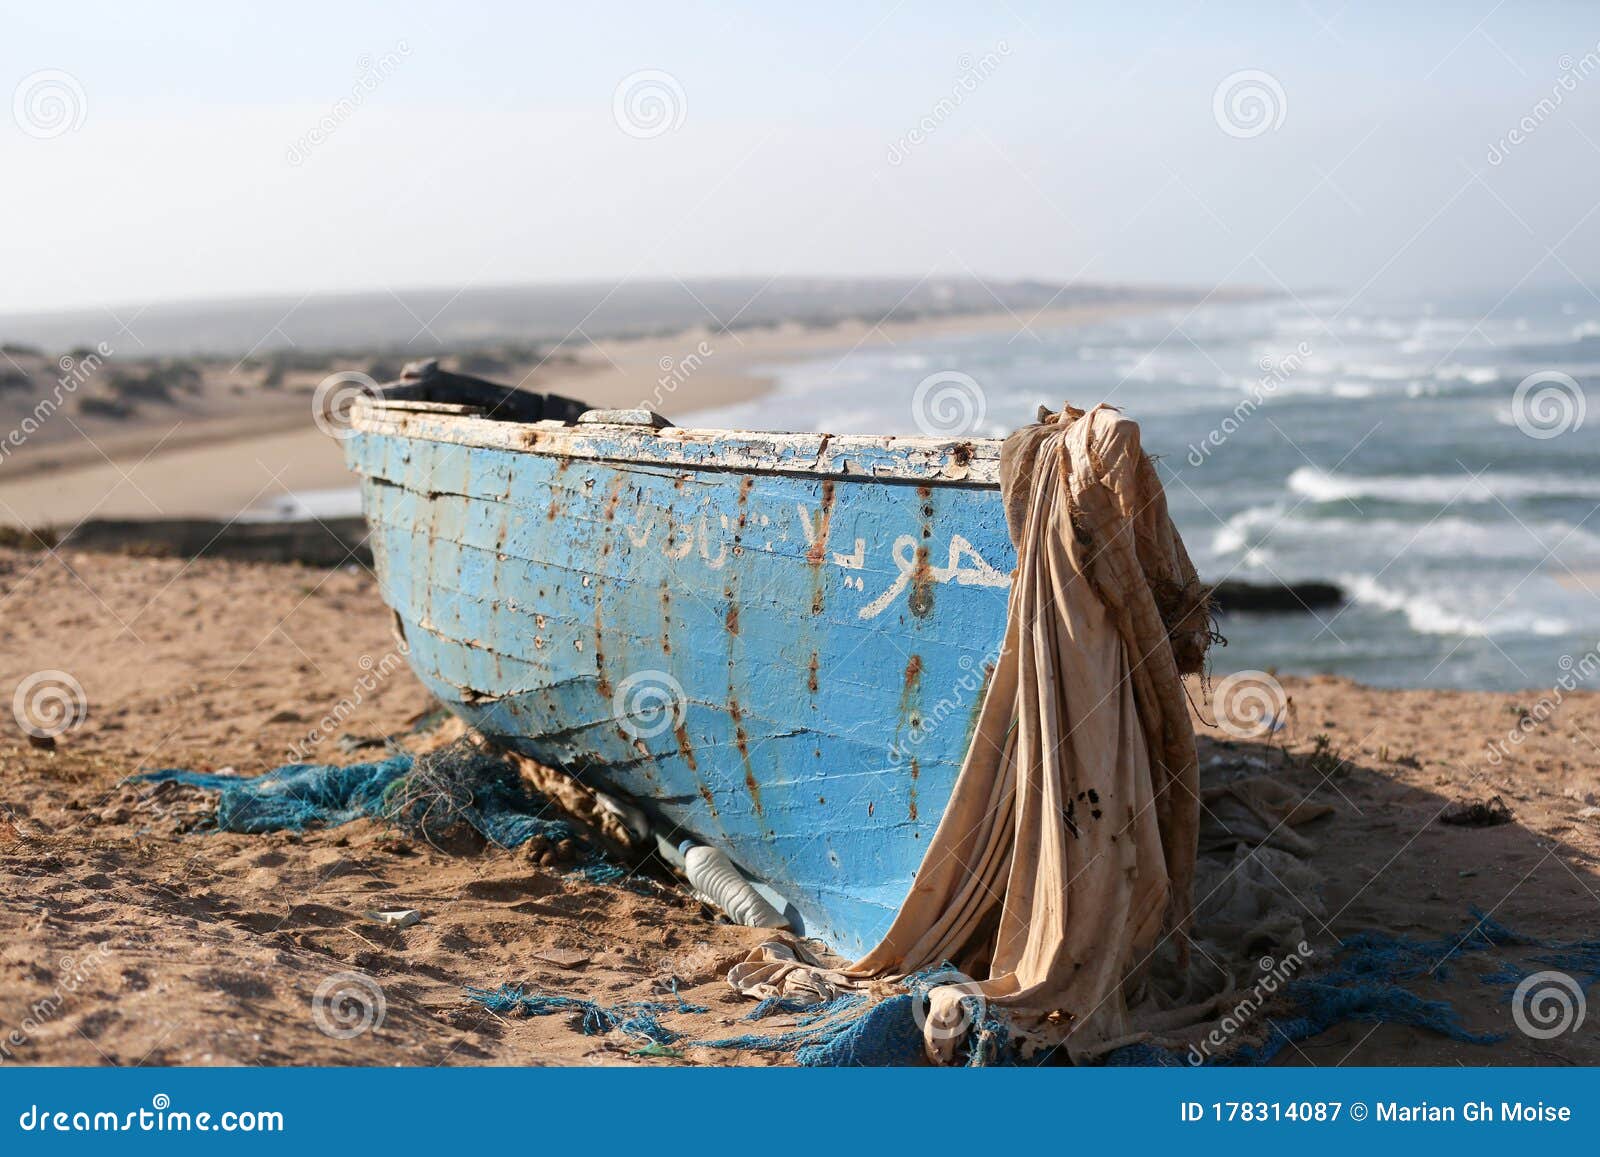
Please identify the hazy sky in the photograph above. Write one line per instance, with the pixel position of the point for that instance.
(1056, 142)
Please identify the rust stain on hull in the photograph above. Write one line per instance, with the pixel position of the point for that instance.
(684, 747)
(742, 741)
(911, 717)
(602, 681)
(819, 546)
(920, 600)
(666, 618)
(819, 541)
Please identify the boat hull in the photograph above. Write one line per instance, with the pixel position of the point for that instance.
(778, 650)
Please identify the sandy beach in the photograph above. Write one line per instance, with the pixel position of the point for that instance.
(244, 446)
(196, 948)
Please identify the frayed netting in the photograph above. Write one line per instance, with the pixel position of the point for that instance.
(433, 797)
(1366, 984)
(639, 1019)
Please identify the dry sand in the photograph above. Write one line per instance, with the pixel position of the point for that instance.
(208, 948)
(232, 447)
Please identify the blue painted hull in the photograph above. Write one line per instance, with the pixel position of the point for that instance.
(784, 658)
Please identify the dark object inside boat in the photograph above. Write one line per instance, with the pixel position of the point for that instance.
(1232, 596)
(320, 542)
(424, 381)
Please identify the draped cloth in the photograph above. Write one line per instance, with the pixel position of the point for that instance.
(1067, 850)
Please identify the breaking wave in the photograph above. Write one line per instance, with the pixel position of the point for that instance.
(1444, 538)
(1323, 486)
(1429, 614)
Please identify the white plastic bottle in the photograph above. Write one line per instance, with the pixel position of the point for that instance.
(717, 881)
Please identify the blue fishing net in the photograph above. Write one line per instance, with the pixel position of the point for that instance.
(431, 796)
(1365, 984)
(637, 1018)
(855, 1031)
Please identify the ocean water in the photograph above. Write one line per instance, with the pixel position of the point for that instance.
(1382, 446)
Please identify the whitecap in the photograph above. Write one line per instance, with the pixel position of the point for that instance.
(1423, 614)
(1474, 375)
(1429, 614)
(1378, 371)
(1322, 486)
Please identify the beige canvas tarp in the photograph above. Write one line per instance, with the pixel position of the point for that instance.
(1068, 847)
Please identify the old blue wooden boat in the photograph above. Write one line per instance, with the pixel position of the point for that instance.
(774, 643)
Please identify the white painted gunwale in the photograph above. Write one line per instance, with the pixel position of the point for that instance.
(934, 461)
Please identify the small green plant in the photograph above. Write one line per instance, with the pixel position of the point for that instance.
(1325, 759)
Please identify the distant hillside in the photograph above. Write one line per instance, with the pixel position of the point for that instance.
(429, 320)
